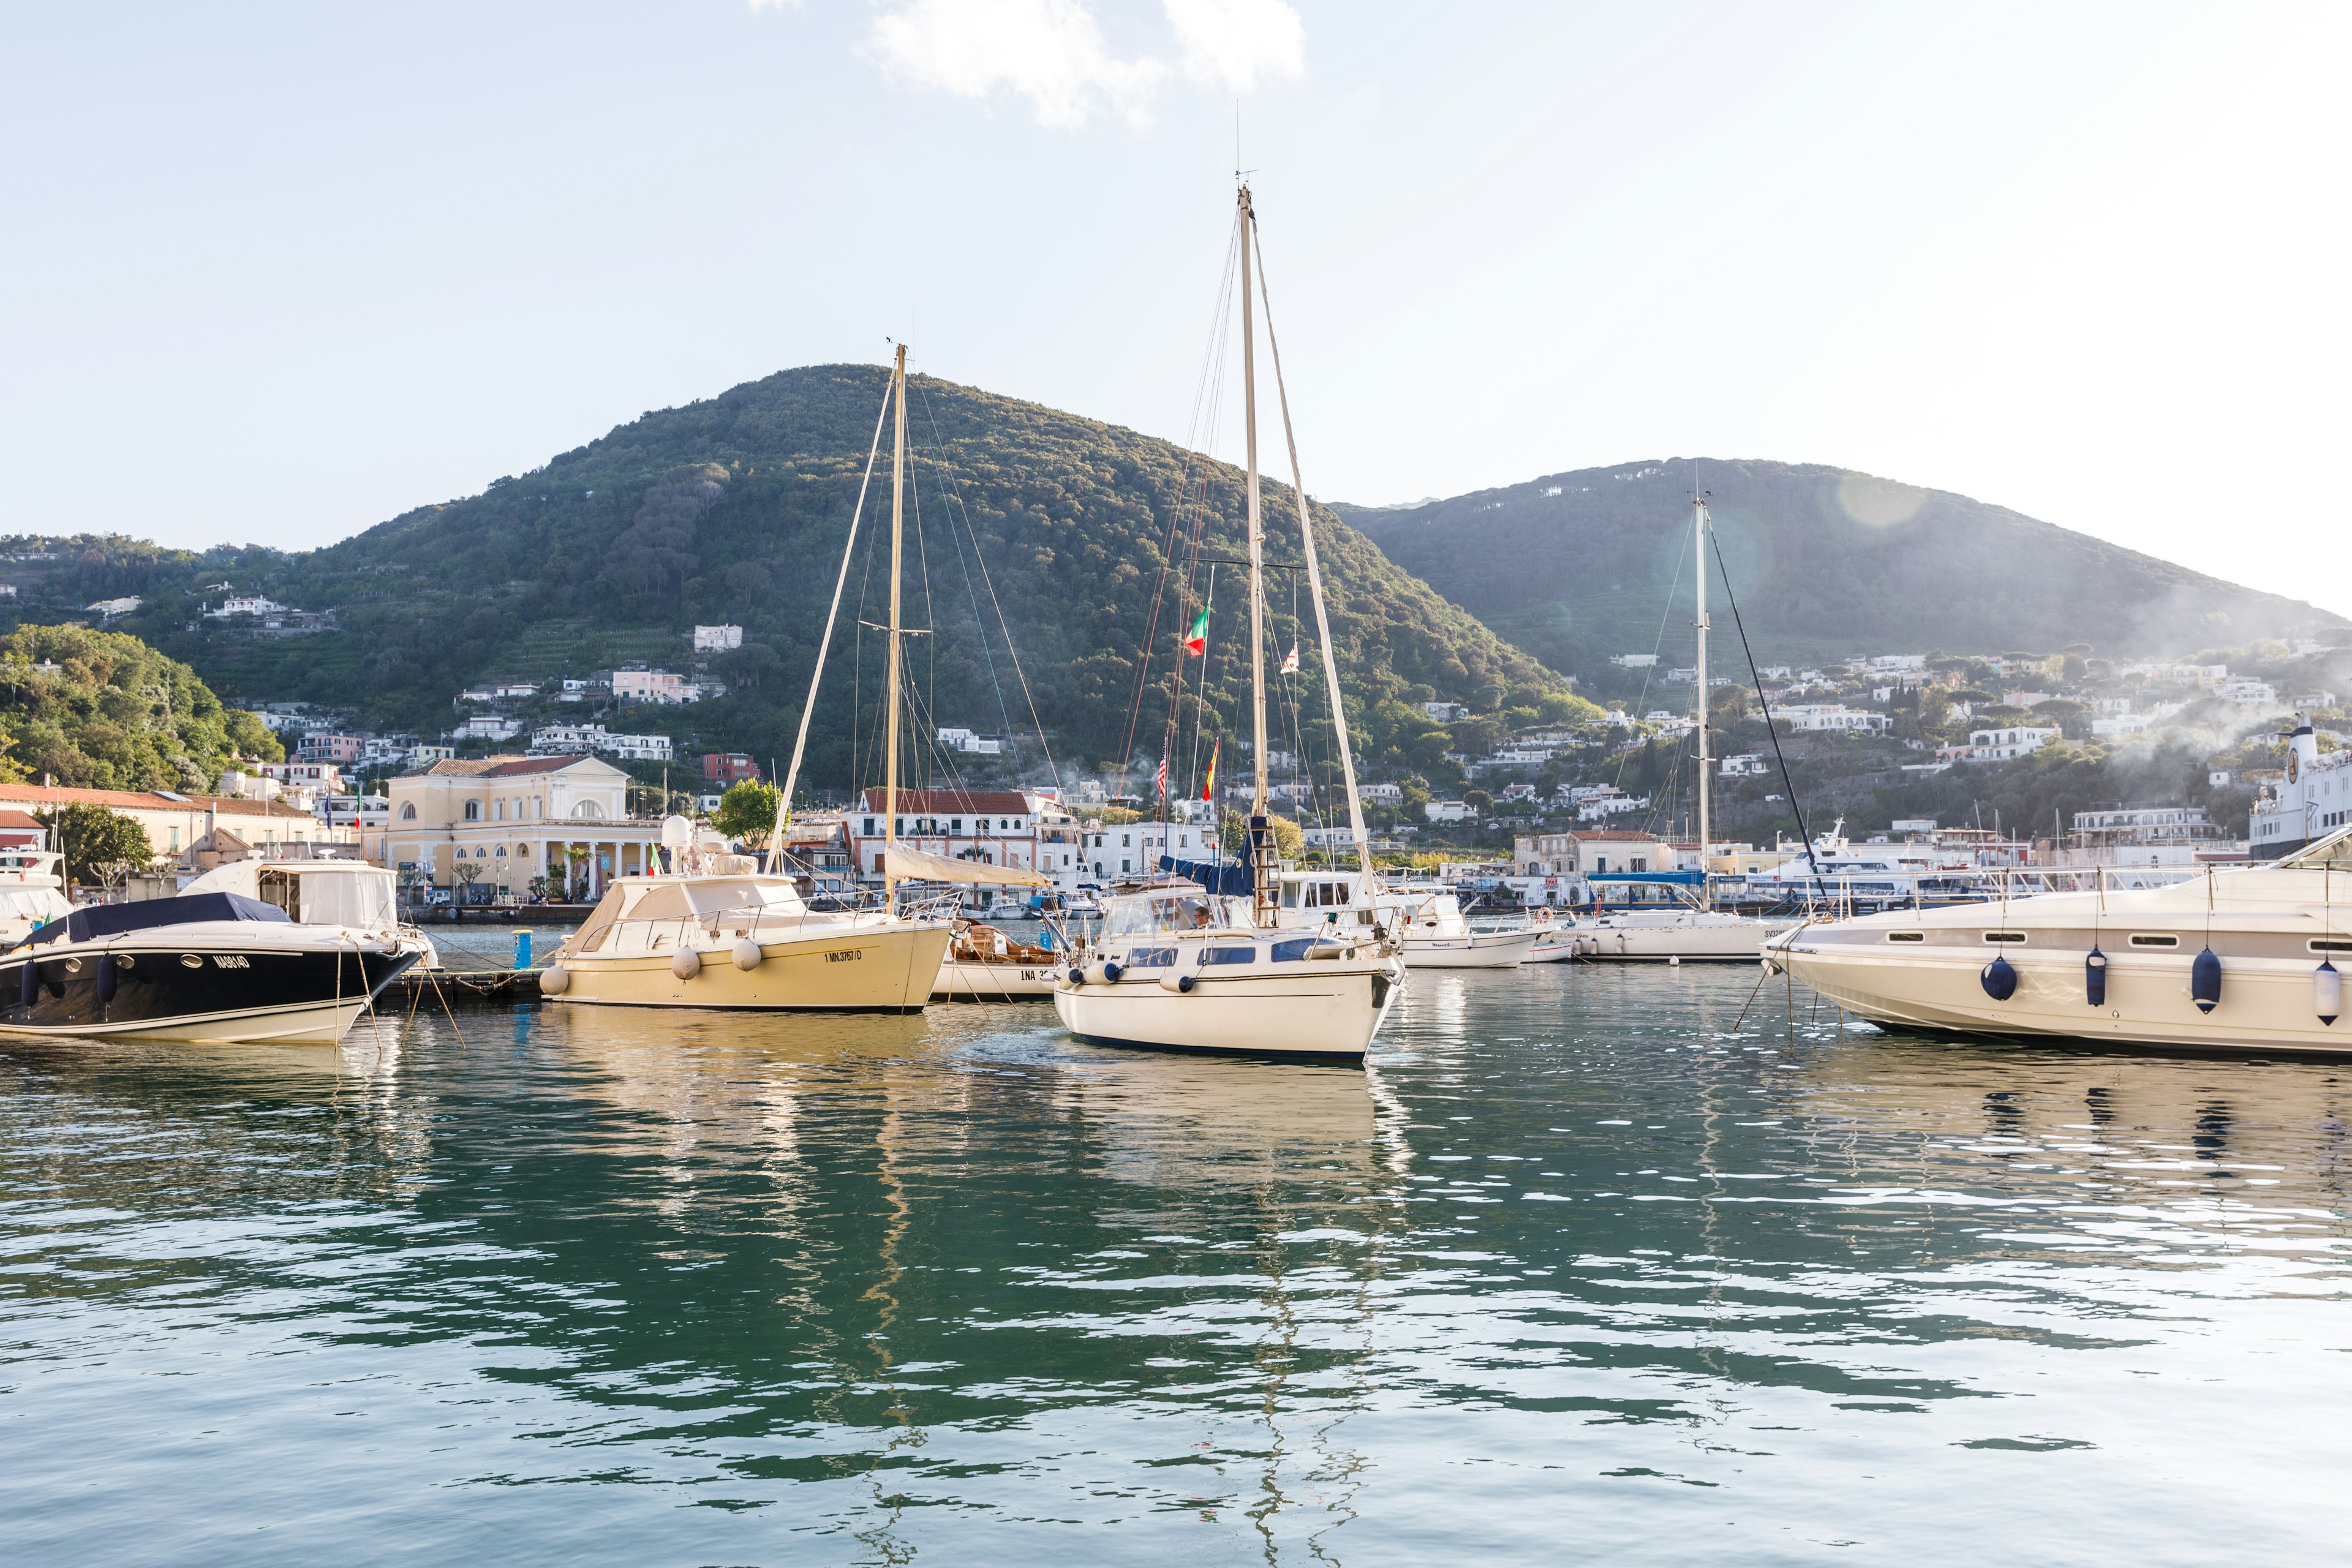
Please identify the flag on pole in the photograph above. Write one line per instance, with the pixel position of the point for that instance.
(1163, 776)
(1209, 786)
(1290, 660)
(1196, 641)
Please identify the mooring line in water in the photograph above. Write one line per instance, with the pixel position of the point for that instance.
(1760, 979)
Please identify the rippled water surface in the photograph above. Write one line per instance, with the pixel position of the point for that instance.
(1574, 1272)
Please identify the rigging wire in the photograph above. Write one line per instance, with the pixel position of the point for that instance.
(1795, 805)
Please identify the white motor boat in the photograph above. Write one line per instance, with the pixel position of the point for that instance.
(2242, 959)
(1424, 918)
(32, 892)
(291, 952)
(1180, 968)
(1669, 933)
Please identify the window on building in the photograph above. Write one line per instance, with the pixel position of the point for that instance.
(957, 826)
(588, 809)
(869, 827)
(500, 811)
(473, 811)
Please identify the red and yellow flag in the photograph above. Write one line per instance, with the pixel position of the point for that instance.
(1209, 786)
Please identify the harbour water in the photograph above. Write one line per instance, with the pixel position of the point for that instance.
(1575, 1271)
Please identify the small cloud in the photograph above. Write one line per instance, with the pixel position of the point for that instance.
(1053, 52)
(1231, 43)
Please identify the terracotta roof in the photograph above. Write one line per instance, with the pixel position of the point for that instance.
(952, 802)
(17, 820)
(146, 800)
(496, 767)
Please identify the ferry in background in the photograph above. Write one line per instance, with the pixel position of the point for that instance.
(2310, 804)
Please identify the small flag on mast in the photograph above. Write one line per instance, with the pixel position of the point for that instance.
(1209, 786)
(1196, 641)
(1290, 660)
(1163, 776)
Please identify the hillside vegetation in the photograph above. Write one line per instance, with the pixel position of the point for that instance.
(101, 711)
(735, 510)
(1577, 567)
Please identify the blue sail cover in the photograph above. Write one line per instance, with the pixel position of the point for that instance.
(1231, 881)
(114, 920)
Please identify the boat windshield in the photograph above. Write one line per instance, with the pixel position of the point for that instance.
(1163, 913)
(2332, 853)
(363, 897)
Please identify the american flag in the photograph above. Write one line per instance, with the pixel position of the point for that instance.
(1163, 776)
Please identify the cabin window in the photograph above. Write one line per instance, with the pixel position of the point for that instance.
(1907, 936)
(2009, 936)
(1290, 891)
(2143, 939)
(1292, 952)
(2326, 944)
(1152, 958)
(1229, 955)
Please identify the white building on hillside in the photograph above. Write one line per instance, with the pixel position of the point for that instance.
(1833, 717)
(2007, 745)
(570, 738)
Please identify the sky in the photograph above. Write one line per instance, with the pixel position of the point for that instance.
(274, 274)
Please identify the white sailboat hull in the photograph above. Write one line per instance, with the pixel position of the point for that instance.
(968, 981)
(1320, 1012)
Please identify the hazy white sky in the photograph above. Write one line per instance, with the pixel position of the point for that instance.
(277, 273)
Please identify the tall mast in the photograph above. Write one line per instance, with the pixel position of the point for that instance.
(1315, 592)
(1698, 554)
(897, 535)
(1260, 836)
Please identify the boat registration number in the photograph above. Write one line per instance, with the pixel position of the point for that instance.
(849, 956)
(231, 961)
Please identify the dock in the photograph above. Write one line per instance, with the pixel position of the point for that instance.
(491, 986)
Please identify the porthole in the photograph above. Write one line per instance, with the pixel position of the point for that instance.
(1907, 936)
(127, 961)
(73, 966)
(2142, 939)
(2008, 936)
(2331, 944)
(191, 961)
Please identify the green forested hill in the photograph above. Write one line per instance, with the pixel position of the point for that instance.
(1579, 566)
(734, 510)
(100, 710)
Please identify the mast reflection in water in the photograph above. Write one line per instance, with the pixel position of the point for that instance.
(1571, 1271)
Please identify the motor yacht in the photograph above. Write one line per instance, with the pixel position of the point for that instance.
(1672, 925)
(32, 892)
(2247, 958)
(731, 937)
(1424, 918)
(297, 958)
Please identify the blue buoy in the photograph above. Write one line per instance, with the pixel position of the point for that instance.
(1113, 971)
(1077, 976)
(2205, 981)
(2000, 978)
(2327, 992)
(106, 978)
(1185, 983)
(2095, 978)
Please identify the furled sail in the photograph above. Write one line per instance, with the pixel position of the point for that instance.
(914, 866)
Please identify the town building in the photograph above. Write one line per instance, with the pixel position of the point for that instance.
(1831, 717)
(247, 604)
(1448, 811)
(729, 767)
(1381, 794)
(968, 742)
(1134, 849)
(557, 740)
(717, 639)
(1445, 712)
(990, 826)
(172, 821)
(511, 820)
(21, 830)
(1746, 764)
(318, 777)
(2007, 745)
(647, 685)
(323, 746)
(2142, 826)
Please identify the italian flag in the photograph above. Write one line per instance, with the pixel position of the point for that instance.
(1209, 786)
(1197, 639)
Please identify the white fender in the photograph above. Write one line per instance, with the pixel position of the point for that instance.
(687, 964)
(553, 979)
(747, 954)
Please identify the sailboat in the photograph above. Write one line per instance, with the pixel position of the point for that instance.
(1205, 963)
(717, 931)
(1690, 929)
